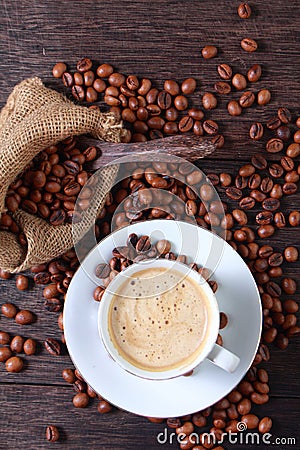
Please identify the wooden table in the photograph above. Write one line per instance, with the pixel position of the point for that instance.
(158, 39)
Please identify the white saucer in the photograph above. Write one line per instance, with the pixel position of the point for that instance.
(237, 296)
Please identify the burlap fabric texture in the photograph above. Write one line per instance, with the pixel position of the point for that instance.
(34, 118)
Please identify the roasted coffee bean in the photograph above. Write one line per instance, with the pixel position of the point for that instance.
(244, 10)
(4, 338)
(14, 364)
(274, 145)
(276, 191)
(270, 335)
(297, 137)
(104, 407)
(42, 278)
(271, 204)
(78, 92)
(247, 99)
(223, 88)
(209, 101)
(105, 70)
(263, 97)
(225, 71)
(22, 282)
(171, 128)
(59, 69)
(209, 51)
(254, 181)
(234, 193)
(273, 123)
(52, 433)
(25, 317)
(99, 85)
(265, 425)
(291, 254)
(239, 81)
(275, 170)
(294, 218)
(143, 244)
(9, 310)
(186, 124)
(164, 100)
(16, 344)
(259, 162)
(289, 285)
(58, 217)
(172, 87)
(283, 132)
(265, 231)
(67, 79)
(198, 128)
(195, 113)
(251, 421)
(279, 220)
(240, 216)
(5, 354)
(287, 163)
(132, 82)
(259, 399)
(240, 182)
(79, 386)
(254, 73)
(102, 270)
(273, 289)
(264, 217)
(29, 347)
(188, 86)
(69, 376)
(247, 203)
(53, 305)
(289, 188)
(292, 332)
(218, 141)
(81, 400)
(210, 126)
(256, 131)
(52, 346)
(116, 79)
(266, 185)
(84, 65)
(284, 115)
(249, 45)
(234, 108)
(151, 96)
(223, 320)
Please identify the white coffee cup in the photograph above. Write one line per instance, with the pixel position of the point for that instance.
(210, 350)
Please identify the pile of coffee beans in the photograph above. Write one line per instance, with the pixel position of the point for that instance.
(12, 347)
(148, 112)
(50, 185)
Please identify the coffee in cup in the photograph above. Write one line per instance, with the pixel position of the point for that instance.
(159, 319)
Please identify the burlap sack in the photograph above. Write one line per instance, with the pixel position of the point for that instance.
(34, 118)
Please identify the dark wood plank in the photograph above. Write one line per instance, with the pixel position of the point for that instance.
(32, 408)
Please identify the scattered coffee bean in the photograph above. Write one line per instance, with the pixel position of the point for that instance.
(14, 364)
(59, 69)
(225, 71)
(104, 407)
(81, 400)
(29, 347)
(249, 45)
(234, 108)
(244, 10)
(284, 115)
(9, 310)
(256, 131)
(209, 51)
(17, 344)
(52, 346)
(5, 354)
(263, 97)
(25, 317)
(52, 433)
(254, 73)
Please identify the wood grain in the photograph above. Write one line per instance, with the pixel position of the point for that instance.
(159, 40)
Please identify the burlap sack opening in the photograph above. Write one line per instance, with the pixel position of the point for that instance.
(34, 118)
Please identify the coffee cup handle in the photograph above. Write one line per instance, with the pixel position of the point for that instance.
(224, 358)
